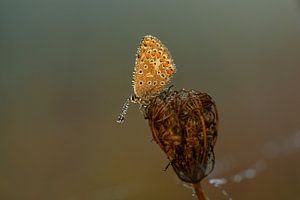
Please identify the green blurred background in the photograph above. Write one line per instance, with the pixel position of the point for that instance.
(66, 69)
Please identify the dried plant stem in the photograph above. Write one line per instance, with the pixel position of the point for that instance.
(199, 192)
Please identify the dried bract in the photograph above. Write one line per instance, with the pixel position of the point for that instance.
(185, 126)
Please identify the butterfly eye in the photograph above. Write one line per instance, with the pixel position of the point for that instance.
(158, 72)
(154, 82)
(163, 75)
(141, 82)
(151, 60)
(164, 56)
(145, 66)
(141, 71)
(132, 98)
(162, 82)
(149, 82)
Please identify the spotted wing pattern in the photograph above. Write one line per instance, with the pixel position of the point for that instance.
(153, 67)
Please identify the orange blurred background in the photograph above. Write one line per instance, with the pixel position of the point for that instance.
(66, 69)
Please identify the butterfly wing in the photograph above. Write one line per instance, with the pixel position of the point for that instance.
(153, 67)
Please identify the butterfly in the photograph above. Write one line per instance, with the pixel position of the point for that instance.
(154, 67)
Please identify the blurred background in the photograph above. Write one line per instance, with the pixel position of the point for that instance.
(66, 69)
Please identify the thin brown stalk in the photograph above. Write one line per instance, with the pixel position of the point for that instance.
(199, 192)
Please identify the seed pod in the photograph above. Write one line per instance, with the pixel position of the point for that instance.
(185, 125)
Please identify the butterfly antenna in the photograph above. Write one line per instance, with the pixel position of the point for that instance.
(121, 116)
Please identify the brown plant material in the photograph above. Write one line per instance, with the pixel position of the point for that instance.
(185, 126)
(198, 191)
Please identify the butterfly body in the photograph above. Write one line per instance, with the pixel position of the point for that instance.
(153, 69)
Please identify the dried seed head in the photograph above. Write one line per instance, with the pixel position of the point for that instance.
(185, 125)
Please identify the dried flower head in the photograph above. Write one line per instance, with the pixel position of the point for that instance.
(185, 125)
